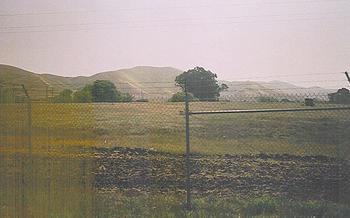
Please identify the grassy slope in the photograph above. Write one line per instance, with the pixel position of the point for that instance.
(153, 81)
(277, 89)
(14, 75)
(148, 82)
(127, 80)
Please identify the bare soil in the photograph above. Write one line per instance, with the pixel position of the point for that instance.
(136, 170)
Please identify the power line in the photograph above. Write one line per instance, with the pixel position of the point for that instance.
(166, 20)
(46, 13)
(114, 26)
(164, 8)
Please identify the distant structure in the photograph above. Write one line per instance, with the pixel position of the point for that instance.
(342, 96)
(309, 102)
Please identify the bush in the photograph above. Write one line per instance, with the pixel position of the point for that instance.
(342, 96)
(261, 206)
(125, 97)
(84, 95)
(64, 97)
(265, 99)
(101, 91)
(180, 97)
(286, 100)
(104, 91)
(6, 96)
(142, 100)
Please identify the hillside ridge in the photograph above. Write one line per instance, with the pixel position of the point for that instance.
(143, 82)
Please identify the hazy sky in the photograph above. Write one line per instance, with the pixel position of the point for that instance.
(238, 39)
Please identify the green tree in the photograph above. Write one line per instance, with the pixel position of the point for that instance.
(104, 91)
(266, 99)
(180, 97)
(126, 97)
(84, 95)
(342, 96)
(201, 83)
(64, 97)
(7, 95)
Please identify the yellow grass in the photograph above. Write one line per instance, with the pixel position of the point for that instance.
(160, 126)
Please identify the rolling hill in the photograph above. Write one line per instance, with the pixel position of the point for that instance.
(143, 82)
(277, 89)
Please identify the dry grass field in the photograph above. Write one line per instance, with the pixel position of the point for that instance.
(77, 164)
(160, 126)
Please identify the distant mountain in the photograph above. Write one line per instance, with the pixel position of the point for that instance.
(147, 82)
(143, 81)
(289, 88)
(277, 89)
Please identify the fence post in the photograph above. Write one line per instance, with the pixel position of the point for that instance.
(347, 76)
(1, 128)
(187, 157)
(29, 113)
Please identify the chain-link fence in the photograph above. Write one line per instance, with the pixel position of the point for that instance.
(291, 146)
(251, 154)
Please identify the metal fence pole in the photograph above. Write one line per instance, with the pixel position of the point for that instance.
(29, 113)
(1, 128)
(188, 167)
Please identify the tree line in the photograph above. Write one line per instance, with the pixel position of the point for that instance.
(200, 85)
(99, 91)
(342, 96)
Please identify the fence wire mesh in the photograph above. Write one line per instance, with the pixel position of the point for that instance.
(127, 158)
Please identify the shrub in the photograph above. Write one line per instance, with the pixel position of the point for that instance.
(125, 97)
(142, 100)
(180, 97)
(64, 97)
(266, 99)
